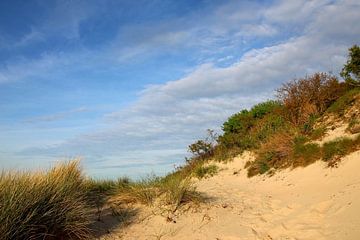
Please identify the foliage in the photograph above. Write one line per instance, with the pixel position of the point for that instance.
(242, 122)
(280, 131)
(309, 96)
(344, 102)
(239, 123)
(203, 148)
(248, 129)
(351, 70)
(305, 154)
(336, 148)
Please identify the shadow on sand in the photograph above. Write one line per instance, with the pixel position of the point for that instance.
(109, 219)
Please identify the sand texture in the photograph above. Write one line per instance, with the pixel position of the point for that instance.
(315, 202)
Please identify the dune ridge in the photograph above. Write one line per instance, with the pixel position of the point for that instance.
(315, 202)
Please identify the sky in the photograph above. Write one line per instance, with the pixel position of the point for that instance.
(127, 85)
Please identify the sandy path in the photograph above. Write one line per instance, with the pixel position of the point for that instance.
(306, 203)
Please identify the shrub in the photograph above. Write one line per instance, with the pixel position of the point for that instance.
(200, 148)
(305, 153)
(274, 153)
(267, 126)
(309, 96)
(239, 123)
(204, 148)
(44, 205)
(206, 171)
(262, 109)
(351, 70)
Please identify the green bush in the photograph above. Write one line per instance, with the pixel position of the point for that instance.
(351, 70)
(306, 153)
(239, 123)
(268, 126)
(260, 110)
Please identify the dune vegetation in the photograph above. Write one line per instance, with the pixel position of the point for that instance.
(283, 133)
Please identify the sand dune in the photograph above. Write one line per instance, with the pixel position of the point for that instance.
(315, 202)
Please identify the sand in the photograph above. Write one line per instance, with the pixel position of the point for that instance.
(315, 202)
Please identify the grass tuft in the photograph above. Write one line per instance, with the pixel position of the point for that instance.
(206, 171)
(44, 205)
(337, 148)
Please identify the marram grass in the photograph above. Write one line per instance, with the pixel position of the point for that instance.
(44, 205)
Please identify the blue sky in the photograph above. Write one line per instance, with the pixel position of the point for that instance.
(127, 85)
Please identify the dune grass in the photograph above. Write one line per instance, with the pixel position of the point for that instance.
(206, 171)
(44, 205)
(57, 204)
(172, 190)
(340, 147)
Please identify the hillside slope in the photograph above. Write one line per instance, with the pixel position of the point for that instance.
(315, 202)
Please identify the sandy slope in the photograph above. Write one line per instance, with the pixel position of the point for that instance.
(306, 203)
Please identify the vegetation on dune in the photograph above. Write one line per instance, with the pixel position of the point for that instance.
(351, 70)
(281, 131)
(206, 171)
(44, 205)
(56, 204)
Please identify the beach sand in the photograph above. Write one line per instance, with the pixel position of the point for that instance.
(315, 202)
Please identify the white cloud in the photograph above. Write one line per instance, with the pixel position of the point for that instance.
(171, 115)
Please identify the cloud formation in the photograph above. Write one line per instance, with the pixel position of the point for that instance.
(302, 37)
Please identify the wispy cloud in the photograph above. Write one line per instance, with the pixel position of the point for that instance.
(56, 116)
(168, 116)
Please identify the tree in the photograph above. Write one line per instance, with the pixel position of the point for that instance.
(351, 70)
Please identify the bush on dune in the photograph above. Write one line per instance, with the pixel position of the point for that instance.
(309, 96)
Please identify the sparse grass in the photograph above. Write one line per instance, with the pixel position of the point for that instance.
(318, 133)
(206, 171)
(44, 205)
(177, 191)
(354, 126)
(344, 102)
(100, 190)
(339, 147)
(173, 189)
(143, 191)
